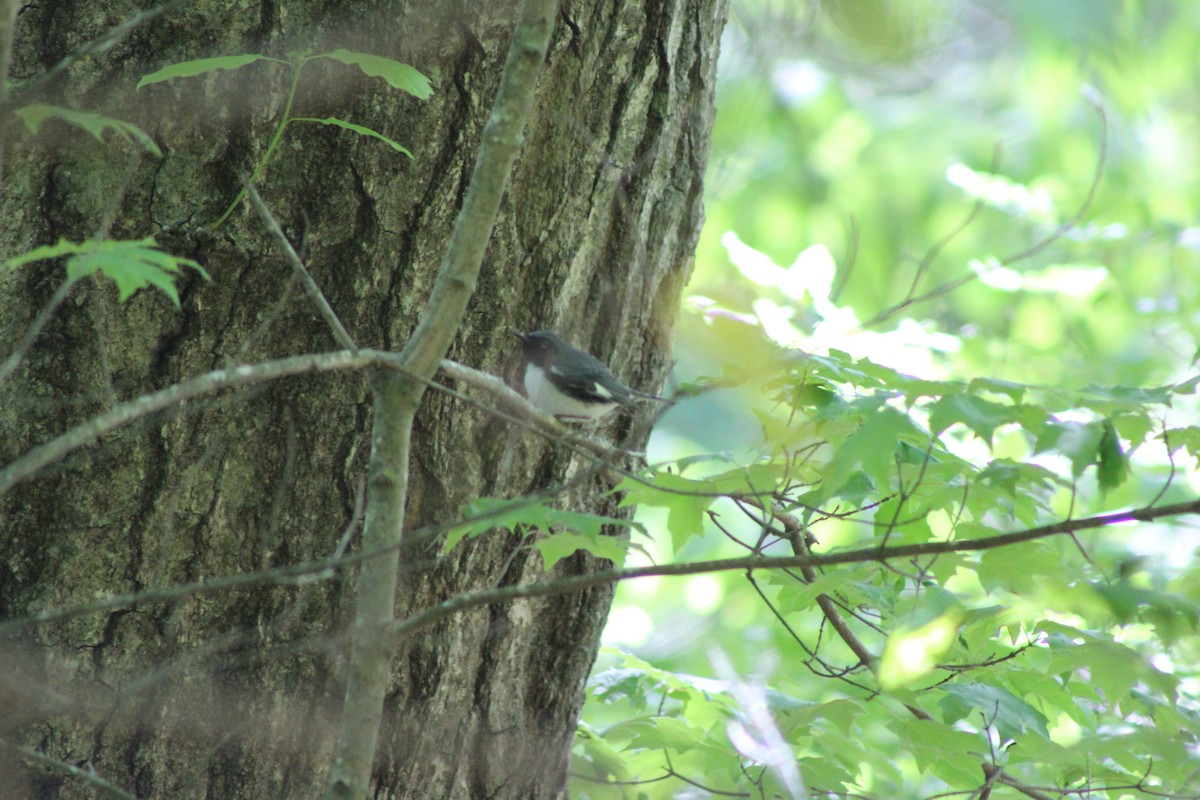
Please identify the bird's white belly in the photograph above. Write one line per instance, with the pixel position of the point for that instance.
(549, 399)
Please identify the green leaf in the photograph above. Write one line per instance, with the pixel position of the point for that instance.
(486, 513)
(1024, 567)
(814, 395)
(629, 683)
(872, 447)
(491, 512)
(685, 519)
(1077, 441)
(755, 479)
(558, 546)
(673, 732)
(688, 500)
(685, 500)
(602, 759)
(911, 653)
(1112, 463)
(1186, 387)
(981, 416)
(1111, 667)
(1187, 438)
(856, 490)
(1135, 428)
(1015, 391)
(1003, 473)
(132, 265)
(1127, 602)
(1111, 399)
(199, 66)
(398, 75)
(57, 250)
(840, 367)
(359, 129)
(950, 754)
(822, 772)
(801, 597)
(1010, 715)
(96, 124)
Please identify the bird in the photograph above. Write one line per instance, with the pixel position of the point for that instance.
(569, 383)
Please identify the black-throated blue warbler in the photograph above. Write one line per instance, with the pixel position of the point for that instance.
(569, 383)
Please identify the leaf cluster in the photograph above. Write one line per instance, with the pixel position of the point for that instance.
(984, 396)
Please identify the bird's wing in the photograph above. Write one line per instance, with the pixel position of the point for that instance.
(595, 385)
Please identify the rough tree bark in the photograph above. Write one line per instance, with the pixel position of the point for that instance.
(236, 694)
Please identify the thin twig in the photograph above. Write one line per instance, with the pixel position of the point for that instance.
(324, 569)
(111, 38)
(515, 408)
(35, 329)
(88, 776)
(306, 279)
(576, 583)
(89, 432)
(1036, 247)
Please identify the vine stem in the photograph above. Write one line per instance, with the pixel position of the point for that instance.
(297, 66)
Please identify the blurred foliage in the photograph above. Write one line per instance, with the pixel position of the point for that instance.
(914, 320)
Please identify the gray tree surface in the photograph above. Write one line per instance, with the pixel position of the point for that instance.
(238, 692)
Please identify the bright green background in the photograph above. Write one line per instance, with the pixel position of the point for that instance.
(849, 127)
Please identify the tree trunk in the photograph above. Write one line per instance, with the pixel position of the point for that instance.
(236, 693)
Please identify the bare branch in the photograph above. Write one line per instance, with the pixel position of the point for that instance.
(306, 279)
(396, 398)
(35, 329)
(325, 569)
(517, 409)
(996, 773)
(88, 776)
(577, 583)
(87, 433)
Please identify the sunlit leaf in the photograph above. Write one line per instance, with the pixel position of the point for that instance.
(600, 759)
(1002, 192)
(911, 653)
(686, 502)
